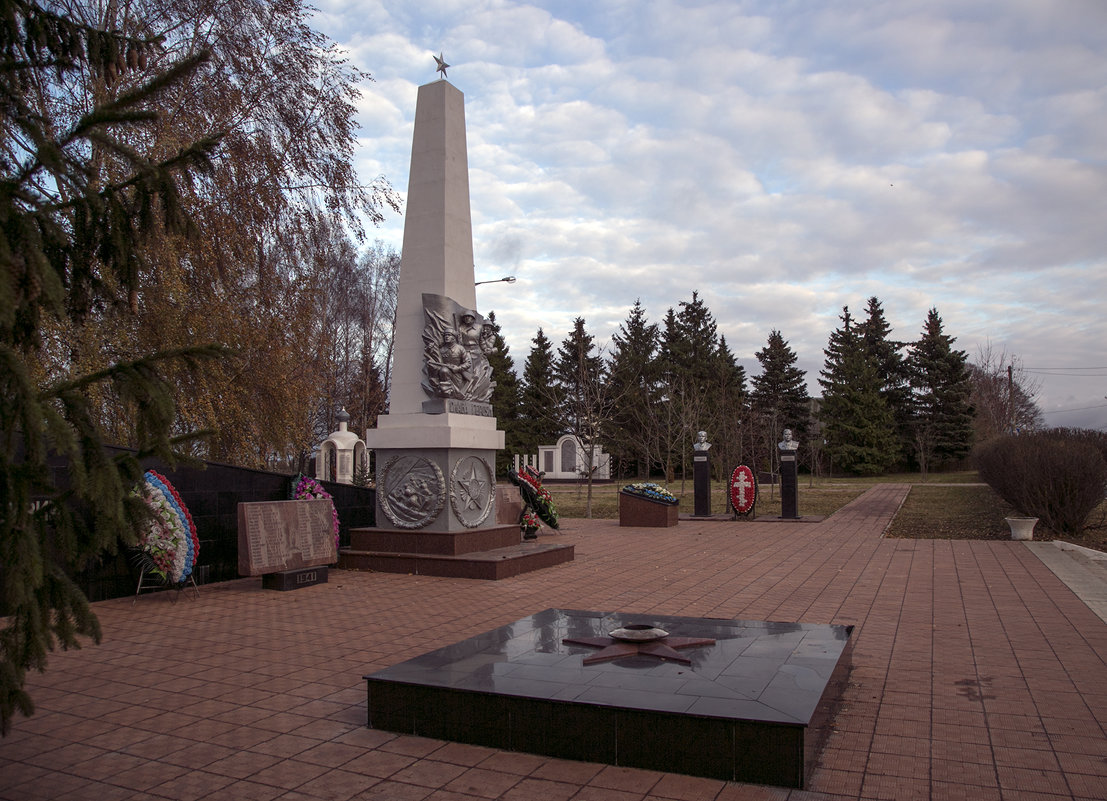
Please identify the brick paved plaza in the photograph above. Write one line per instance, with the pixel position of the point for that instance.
(977, 674)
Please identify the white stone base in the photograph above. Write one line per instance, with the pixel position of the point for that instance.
(435, 431)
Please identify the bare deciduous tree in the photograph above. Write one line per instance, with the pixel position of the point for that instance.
(1002, 394)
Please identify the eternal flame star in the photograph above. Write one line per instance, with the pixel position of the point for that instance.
(664, 648)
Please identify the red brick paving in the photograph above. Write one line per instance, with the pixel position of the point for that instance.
(977, 674)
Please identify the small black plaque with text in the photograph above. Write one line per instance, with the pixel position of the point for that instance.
(295, 579)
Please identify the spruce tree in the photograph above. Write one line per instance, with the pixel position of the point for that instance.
(634, 380)
(891, 367)
(506, 397)
(689, 346)
(779, 393)
(72, 244)
(667, 422)
(587, 399)
(728, 408)
(539, 413)
(942, 413)
(577, 370)
(857, 424)
(696, 342)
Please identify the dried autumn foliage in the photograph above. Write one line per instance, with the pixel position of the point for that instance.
(254, 275)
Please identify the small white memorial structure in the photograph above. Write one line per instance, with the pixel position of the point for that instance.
(567, 459)
(340, 453)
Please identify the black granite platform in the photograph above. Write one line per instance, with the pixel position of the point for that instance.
(753, 707)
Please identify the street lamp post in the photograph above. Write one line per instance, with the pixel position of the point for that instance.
(507, 279)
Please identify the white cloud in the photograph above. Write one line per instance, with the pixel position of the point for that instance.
(783, 160)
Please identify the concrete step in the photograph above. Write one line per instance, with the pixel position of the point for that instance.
(443, 543)
(493, 564)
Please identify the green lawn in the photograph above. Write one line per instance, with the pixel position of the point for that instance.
(952, 512)
(939, 506)
(817, 496)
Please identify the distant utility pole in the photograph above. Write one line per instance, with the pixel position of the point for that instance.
(1010, 399)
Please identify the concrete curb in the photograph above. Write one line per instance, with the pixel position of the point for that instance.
(1085, 575)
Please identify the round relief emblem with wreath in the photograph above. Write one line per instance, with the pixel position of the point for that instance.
(412, 491)
(472, 485)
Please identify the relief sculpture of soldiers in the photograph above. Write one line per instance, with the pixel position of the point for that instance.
(455, 355)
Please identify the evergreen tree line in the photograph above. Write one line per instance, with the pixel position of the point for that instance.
(886, 404)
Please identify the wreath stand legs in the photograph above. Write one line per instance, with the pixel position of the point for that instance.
(161, 584)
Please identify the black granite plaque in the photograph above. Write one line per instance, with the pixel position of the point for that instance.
(751, 707)
(287, 580)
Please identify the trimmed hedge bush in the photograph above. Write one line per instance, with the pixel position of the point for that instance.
(1058, 475)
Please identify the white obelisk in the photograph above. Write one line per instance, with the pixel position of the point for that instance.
(437, 259)
(438, 233)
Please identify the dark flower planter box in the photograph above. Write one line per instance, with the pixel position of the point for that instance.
(635, 510)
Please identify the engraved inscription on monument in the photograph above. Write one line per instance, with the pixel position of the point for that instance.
(284, 535)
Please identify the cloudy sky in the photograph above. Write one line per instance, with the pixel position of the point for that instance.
(783, 159)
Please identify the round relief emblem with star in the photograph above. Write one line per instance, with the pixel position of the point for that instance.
(472, 485)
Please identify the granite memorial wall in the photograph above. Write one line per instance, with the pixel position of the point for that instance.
(212, 495)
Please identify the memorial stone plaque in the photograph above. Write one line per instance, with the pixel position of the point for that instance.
(284, 535)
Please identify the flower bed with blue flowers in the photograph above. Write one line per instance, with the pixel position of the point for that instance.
(651, 492)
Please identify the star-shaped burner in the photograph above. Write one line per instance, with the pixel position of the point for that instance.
(637, 639)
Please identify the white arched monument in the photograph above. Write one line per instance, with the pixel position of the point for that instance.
(340, 453)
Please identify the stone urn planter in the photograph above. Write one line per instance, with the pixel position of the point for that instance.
(1022, 528)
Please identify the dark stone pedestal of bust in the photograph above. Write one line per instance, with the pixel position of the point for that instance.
(789, 488)
(701, 477)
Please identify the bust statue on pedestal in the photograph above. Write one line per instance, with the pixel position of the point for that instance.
(789, 488)
(701, 475)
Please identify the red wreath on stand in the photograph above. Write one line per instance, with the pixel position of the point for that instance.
(536, 499)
